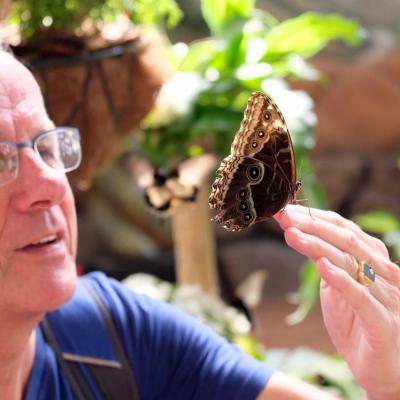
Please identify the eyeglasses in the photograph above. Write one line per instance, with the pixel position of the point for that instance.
(58, 148)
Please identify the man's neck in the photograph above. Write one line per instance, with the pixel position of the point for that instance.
(17, 351)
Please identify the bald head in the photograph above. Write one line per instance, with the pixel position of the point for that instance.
(20, 93)
(16, 79)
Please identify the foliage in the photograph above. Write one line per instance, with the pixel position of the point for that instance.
(328, 371)
(248, 50)
(307, 294)
(200, 109)
(33, 16)
(385, 225)
(208, 309)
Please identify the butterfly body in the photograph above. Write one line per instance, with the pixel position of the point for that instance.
(165, 191)
(258, 178)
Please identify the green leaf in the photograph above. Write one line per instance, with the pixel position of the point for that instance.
(309, 33)
(198, 56)
(317, 368)
(307, 294)
(378, 222)
(249, 345)
(69, 15)
(218, 13)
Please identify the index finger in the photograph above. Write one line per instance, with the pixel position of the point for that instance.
(338, 220)
(348, 238)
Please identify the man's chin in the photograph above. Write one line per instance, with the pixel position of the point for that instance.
(61, 287)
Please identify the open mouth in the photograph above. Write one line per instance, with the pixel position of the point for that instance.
(45, 241)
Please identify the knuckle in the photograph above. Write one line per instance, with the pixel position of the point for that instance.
(336, 218)
(352, 241)
(354, 227)
(316, 226)
(371, 260)
(316, 247)
(380, 247)
(351, 264)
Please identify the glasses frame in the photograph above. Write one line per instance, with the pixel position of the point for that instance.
(32, 144)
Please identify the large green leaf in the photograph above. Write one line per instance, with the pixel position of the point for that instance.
(218, 13)
(378, 222)
(309, 33)
(307, 294)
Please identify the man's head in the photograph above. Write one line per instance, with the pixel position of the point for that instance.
(37, 212)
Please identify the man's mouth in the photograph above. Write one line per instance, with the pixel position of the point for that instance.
(43, 242)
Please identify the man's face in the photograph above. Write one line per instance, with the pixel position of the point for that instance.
(37, 212)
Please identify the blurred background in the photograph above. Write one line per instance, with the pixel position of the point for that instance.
(152, 84)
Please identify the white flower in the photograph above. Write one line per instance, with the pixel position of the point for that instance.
(296, 105)
(149, 285)
(206, 308)
(177, 96)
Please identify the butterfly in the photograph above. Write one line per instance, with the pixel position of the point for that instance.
(165, 190)
(258, 178)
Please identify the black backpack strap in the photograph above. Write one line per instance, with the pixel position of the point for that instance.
(122, 383)
(92, 378)
(80, 389)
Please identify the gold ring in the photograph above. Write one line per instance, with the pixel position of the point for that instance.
(365, 273)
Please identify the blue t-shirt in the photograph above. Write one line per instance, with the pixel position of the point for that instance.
(172, 355)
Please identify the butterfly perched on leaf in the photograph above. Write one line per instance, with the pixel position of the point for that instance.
(258, 178)
(165, 190)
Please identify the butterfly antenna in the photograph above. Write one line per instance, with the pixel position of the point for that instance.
(298, 201)
(302, 177)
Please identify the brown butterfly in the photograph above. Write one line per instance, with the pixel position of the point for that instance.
(163, 190)
(258, 178)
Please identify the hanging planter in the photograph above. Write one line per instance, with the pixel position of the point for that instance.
(105, 94)
(103, 87)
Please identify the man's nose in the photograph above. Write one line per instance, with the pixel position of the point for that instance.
(37, 186)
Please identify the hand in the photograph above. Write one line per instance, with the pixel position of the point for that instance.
(363, 321)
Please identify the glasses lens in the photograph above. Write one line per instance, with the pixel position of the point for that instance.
(60, 148)
(8, 162)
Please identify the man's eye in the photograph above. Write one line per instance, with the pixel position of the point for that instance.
(47, 152)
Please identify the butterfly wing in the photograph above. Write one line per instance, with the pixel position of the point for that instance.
(151, 181)
(259, 177)
(262, 120)
(193, 170)
(140, 170)
(184, 182)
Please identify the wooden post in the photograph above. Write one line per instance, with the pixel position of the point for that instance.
(194, 244)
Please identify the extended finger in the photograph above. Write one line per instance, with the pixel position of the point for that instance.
(314, 247)
(346, 240)
(338, 220)
(372, 313)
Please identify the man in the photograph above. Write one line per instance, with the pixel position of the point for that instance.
(170, 355)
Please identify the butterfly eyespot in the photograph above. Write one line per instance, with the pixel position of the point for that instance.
(242, 194)
(247, 217)
(243, 206)
(254, 145)
(267, 115)
(254, 173)
(261, 134)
